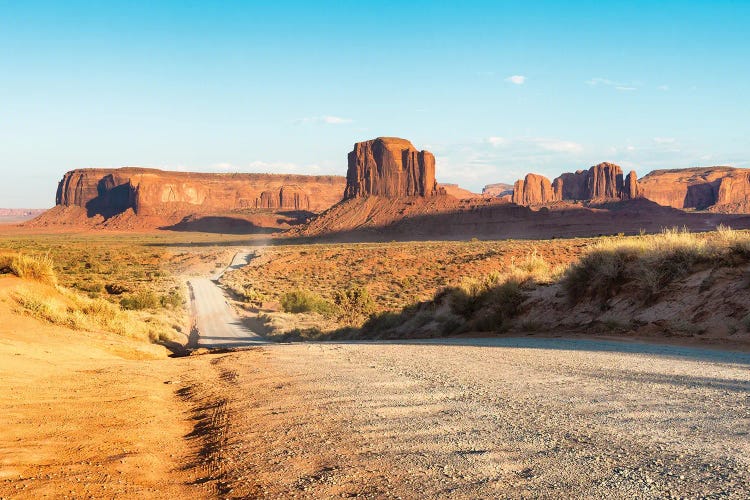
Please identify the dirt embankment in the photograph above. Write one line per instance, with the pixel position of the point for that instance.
(87, 415)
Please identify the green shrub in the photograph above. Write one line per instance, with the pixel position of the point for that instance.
(115, 289)
(145, 299)
(301, 301)
(173, 299)
(354, 304)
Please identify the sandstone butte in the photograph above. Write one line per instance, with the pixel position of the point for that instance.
(108, 192)
(390, 167)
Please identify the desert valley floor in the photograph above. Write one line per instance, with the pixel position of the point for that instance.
(521, 415)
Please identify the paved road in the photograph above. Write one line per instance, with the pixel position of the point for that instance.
(216, 322)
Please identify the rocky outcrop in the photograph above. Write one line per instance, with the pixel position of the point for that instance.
(389, 167)
(601, 182)
(719, 189)
(534, 189)
(108, 192)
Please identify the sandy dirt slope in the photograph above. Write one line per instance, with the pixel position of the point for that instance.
(494, 418)
(88, 415)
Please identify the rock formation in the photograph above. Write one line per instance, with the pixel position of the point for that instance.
(108, 192)
(534, 189)
(604, 182)
(389, 167)
(631, 189)
(571, 186)
(720, 189)
(601, 182)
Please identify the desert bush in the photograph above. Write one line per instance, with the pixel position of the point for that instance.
(247, 293)
(91, 287)
(301, 301)
(144, 299)
(173, 299)
(115, 289)
(532, 269)
(5, 260)
(354, 304)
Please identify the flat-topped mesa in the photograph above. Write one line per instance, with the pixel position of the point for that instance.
(534, 189)
(390, 167)
(108, 192)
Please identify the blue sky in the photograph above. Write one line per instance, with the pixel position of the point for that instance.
(494, 89)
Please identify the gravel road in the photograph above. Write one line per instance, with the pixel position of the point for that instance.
(483, 418)
(216, 323)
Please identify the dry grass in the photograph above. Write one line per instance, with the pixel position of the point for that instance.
(111, 273)
(72, 310)
(33, 267)
(651, 263)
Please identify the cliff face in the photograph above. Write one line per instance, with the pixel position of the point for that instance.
(720, 189)
(108, 192)
(389, 167)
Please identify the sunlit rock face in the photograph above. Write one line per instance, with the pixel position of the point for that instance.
(390, 167)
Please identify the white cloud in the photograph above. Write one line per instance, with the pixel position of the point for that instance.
(558, 146)
(516, 79)
(663, 87)
(538, 143)
(623, 87)
(271, 167)
(664, 140)
(327, 119)
(599, 81)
